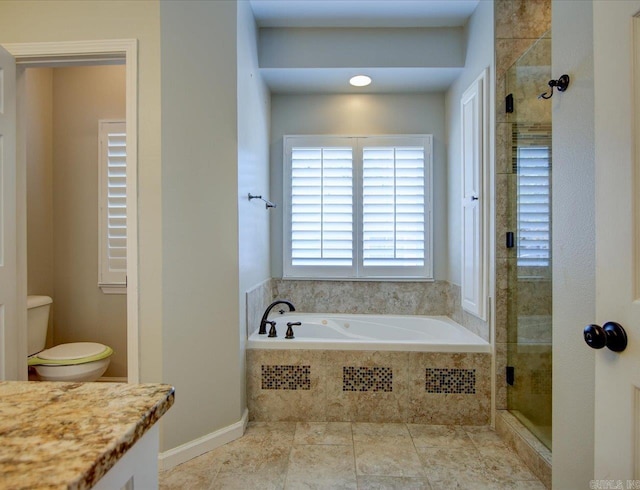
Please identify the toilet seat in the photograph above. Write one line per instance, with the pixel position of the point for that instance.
(71, 354)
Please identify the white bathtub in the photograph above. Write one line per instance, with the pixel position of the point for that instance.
(331, 331)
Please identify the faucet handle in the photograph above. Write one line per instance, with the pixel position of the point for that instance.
(290, 329)
(272, 330)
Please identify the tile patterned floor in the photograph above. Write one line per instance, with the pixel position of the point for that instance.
(345, 455)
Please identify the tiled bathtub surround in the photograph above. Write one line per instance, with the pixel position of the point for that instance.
(381, 297)
(377, 297)
(258, 298)
(389, 387)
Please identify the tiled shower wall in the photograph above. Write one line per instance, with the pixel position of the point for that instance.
(518, 25)
(386, 298)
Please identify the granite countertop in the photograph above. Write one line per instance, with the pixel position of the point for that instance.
(68, 435)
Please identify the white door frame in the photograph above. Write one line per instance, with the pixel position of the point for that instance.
(50, 53)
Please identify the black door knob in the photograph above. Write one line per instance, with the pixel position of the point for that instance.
(611, 335)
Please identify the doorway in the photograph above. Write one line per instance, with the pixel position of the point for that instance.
(30, 55)
(67, 198)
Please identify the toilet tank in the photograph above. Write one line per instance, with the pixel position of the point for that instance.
(37, 322)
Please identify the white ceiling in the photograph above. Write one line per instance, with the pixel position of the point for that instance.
(362, 13)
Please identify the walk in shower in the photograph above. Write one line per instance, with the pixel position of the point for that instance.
(528, 241)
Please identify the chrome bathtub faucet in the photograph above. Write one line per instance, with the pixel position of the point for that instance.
(264, 321)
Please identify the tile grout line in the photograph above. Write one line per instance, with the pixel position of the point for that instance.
(291, 445)
(353, 447)
(216, 473)
(422, 463)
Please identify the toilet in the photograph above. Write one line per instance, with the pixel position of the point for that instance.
(77, 361)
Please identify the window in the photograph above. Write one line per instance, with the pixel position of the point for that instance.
(357, 207)
(534, 206)
(112, 223)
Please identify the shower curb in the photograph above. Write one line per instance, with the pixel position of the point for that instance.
(534, 454)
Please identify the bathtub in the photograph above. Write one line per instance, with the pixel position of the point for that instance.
(330, 331)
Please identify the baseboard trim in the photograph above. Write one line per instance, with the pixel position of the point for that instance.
(185, 452)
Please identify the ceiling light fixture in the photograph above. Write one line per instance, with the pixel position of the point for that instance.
(360, 81)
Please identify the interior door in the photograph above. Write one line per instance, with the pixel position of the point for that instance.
(617, 144)
(472, 116)
(8, 260)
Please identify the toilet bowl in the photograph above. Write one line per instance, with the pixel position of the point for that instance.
(77, 361)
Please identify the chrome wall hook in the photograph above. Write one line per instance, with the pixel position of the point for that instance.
(561, 84)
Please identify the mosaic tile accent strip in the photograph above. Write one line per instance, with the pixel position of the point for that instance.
(281, 377)
(454, 381)
(367, 379)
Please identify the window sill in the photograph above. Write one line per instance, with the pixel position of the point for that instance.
(113, 288)
(360, 279)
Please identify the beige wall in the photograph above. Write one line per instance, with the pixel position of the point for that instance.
(39, 179)
(46, 21)
(81, 311)
(39, 155)
(479, 55)
(254, 111)
(574, 247)
(361, 114)
(200, 305)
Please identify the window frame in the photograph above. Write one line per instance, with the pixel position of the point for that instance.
(357, 271)
(109, 281)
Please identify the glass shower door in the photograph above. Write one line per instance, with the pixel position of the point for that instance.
(529, 304)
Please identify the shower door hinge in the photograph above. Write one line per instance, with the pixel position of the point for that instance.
(510, 240)
(508, 104)
(511, 375)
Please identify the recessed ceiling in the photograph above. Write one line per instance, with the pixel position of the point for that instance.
(336, 80)
(362, 13)
(355, 14)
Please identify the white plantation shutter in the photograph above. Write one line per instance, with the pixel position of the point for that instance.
(113, 203)
(357, 207)
(534, 206)
(322, 206)
(393, 206)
